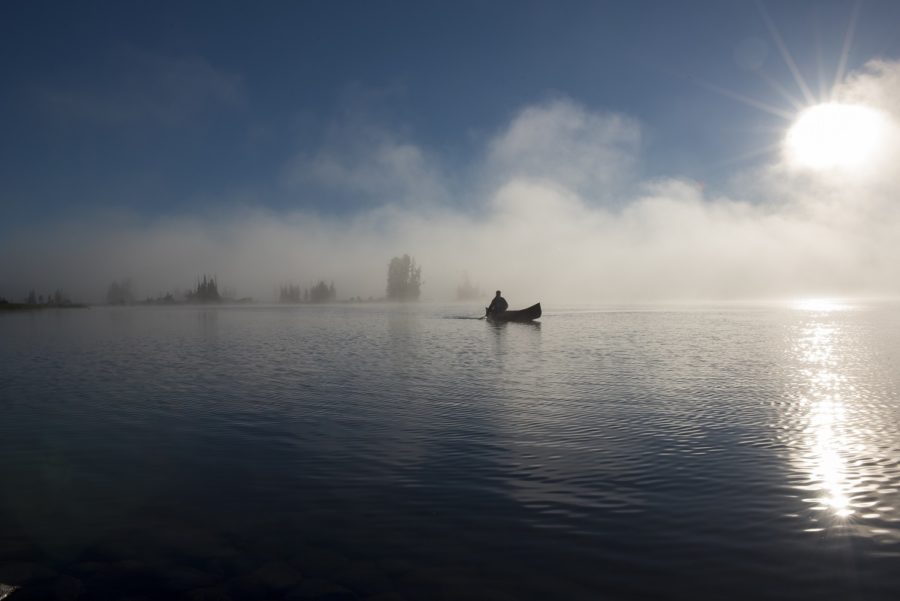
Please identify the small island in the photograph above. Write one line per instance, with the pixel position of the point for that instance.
(34, 301)
(404, 283)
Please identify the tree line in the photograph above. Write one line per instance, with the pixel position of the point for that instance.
(404, 283)
(320, 293)
(206, 290)
(55, 299)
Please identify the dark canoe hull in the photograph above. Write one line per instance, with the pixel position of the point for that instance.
(529, 314)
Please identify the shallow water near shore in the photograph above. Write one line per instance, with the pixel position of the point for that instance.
(400, 452)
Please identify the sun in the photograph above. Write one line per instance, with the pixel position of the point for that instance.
(834, 136)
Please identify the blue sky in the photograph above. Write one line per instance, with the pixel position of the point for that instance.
(609, 151)
(172, 108)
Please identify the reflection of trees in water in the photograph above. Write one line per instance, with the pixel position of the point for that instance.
(208, 320)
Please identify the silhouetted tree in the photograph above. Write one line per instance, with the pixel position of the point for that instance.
(161, 299)
(32, 298)
(207, 291)
(290, 294)
(404, 279)
(467, 290)
(322, 292)
(120, 293)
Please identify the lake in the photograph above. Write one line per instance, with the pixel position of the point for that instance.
(414, 452)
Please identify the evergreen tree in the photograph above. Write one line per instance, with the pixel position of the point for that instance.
(207, 291)
(120, 293)
(290, 294)
(404, 279)
(467, 290)
(322, 292)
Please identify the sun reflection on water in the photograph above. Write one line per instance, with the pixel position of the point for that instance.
(826, 439)
(831, 467)
(839, 422)
(824, 305)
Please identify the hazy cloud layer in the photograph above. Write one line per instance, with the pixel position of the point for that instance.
(539, 233)
(368, 162)
(562, 142)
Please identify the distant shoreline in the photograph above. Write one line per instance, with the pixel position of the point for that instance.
(35, 307)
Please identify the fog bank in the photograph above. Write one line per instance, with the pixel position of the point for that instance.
(551, 211)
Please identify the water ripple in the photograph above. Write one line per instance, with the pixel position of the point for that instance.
(686, 453)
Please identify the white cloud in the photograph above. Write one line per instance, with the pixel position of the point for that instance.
(369, 162)
(539, 233)
(877, 84)
(562, 142)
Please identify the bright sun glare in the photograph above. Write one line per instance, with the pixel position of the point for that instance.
(833, 135)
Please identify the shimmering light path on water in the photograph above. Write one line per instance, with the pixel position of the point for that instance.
(380, 452)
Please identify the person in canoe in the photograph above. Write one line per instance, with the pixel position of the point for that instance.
(498, 305)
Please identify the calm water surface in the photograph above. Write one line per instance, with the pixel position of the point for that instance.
(376, 452)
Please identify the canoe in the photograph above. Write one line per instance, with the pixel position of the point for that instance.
(532, 312)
